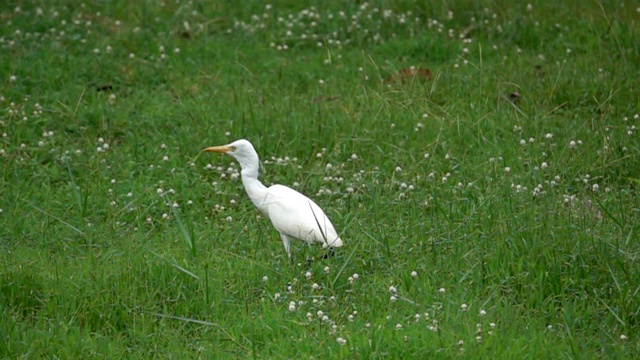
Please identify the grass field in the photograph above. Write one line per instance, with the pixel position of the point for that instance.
(490, 209)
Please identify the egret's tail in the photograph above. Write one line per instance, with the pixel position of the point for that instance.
(336, 243)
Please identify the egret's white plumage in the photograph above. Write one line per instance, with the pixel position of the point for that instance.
(294, 215)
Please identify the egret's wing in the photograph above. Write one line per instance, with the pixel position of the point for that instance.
(296, 215)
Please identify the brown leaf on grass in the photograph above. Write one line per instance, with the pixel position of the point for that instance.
(409, 73)
(538, 71)
(324, 99)
(514, 97)
(105, 87)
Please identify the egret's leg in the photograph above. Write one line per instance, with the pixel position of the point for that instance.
(286, 241)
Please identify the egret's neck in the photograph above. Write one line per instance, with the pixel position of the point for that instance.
(255, 189)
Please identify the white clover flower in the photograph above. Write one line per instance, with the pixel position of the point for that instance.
(441, 290)
(507, 169)
(315, 286)
(464, 307)
(572, 144)
(341, 341)
(398, 326)
(392, 289)
(623, 337)
(292, 306)
(414, 274)
(393, 298)
(483, 312)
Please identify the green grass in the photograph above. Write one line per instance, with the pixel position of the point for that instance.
(521, 223)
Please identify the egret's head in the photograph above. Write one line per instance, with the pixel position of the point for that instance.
(241, 150)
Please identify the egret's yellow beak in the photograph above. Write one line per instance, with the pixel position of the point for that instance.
(219, 149)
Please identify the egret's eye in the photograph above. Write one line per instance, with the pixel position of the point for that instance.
(233, 148)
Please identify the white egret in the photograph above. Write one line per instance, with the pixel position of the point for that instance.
(294, 215)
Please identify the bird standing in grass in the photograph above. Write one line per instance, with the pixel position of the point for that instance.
(294, 215)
